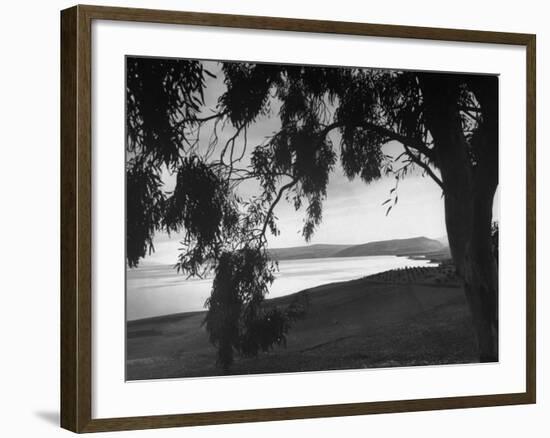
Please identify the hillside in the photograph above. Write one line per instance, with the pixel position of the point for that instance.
(397, 318)
(412, 246)
(415, 245)
(307, 252)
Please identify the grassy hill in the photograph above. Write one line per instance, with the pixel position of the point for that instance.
(406, 317)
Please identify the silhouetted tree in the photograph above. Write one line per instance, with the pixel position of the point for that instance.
(446, 123)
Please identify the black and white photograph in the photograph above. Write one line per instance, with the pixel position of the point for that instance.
(285, 218)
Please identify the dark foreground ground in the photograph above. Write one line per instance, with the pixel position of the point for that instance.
(398, 318)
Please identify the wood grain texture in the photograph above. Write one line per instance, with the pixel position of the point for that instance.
(69, 330)
(76, 222)
(299, 25)
(76, 186)
(531, 213)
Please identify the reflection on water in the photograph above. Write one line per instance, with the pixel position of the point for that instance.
(158, 290)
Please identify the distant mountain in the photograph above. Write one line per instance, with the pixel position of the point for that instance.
(307, 252)
(412, 246)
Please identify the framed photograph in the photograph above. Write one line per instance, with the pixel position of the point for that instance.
(268, 218)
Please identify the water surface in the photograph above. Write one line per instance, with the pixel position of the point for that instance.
(153, 290)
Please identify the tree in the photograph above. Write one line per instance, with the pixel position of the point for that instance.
(446, 123)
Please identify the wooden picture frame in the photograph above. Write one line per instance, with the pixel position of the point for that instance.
(76, 218)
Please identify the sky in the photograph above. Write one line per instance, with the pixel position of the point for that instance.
(352, 212)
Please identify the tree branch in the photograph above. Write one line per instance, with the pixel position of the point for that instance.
(414, 143)
(275, 202)
(201, 119)
(425, 166)
(469, 108)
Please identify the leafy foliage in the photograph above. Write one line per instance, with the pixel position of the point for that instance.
(241, 281)
(237, 320)
(144, 210)
(161, 96)
(247, 90)
(203, 207)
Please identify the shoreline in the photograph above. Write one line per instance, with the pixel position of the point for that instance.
(438, 257)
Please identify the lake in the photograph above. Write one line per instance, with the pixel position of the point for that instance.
(154, 290)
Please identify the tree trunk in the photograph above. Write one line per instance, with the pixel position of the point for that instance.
(476, 265)
(480, 278)
(470, 183)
